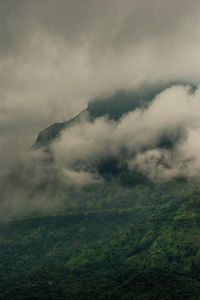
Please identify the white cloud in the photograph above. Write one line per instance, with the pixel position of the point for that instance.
(174, 114)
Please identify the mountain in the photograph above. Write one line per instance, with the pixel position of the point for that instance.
(114, 107)
(124, 237)
(141, 243)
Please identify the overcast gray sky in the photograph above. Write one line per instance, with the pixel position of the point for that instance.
(55, 55)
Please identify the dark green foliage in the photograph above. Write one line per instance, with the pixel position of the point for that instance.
(125, 238)
(145, 246)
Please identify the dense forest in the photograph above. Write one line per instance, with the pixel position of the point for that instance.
(133, 242)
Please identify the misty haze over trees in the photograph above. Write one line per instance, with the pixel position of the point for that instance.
(99, 149)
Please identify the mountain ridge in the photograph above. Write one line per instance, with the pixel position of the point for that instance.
(120, 103)
(122, 238)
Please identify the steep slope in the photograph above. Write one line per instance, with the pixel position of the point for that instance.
(124, 237)
(151, 252)
(114, 106)
(52, 132)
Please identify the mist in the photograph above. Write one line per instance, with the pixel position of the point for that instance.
(135, 138)
(55, 56)
(41, 180)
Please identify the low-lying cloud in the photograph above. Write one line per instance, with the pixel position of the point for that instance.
(136, 138)
(161, 142)
(57, 55)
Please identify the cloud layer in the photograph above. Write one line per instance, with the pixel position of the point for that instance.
(137, 138)
(57, 55)
(161, 142)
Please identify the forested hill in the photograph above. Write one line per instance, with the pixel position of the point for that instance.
(123, 235)
(140, 242)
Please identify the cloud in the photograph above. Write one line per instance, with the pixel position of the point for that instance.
(80, 178)
(161, 142)
(137, 138)
(28, 187)
(57, 55)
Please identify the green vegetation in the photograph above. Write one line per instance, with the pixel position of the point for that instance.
(125, 242)
(124, 238)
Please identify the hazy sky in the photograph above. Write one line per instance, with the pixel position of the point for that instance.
(133, 140)
(55, 55)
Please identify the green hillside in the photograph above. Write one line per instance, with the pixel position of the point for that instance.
(143, 246)
(121, 237)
